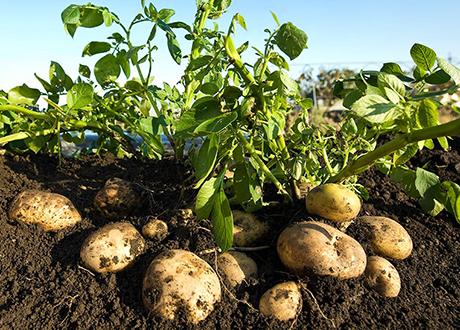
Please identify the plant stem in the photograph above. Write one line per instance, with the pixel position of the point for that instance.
(250, 149)
(367, 160)
(25, 111)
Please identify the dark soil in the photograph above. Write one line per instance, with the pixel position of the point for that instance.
(43, 286)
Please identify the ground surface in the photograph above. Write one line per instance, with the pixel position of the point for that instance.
(43, 286)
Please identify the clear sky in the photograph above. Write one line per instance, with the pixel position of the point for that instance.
(354, 34)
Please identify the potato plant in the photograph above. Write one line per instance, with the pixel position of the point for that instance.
(236, 112)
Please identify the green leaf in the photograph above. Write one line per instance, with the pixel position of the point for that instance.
(431, 206)
(291, 40)
(84, 70)
(174, 48)
(408, 184)
(375, 108)
(96, 47)
(410, 151)
(46, 85)
(351, 98)
(452, 198)
(23, 95)
(202, 110)
(275, 18)
(107, 17)
(207, 158)
(289, 83)
(206, 197)
(423, 56)
(216, 124)
(450, 69)
(57, 75)
(425, 180)
(241, 21)
(91, 17)
(222, 221)
(80, 95)
(427, 113)
(165, 14)
(393, 88)
(248, 190)
(124, 63)
(107, 70)
(439, 77)
(71, 15)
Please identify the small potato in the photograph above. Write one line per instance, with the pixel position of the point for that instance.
(380, 275)
(283, 301)
(48, 210)
(179, 281)
(117, 199)
(112, 248)
(236, 267)
(246, 228)
(333, 202)
(155, 229)
(316, 249)
(387, 237)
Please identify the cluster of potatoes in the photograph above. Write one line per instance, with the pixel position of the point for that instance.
(179, 280)
(315, 249)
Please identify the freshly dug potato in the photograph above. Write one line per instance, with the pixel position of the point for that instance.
(333, 202)
(49, 210)
(387, 237)
(314, 248)
(236, 267)
(155, 229)
(283, 301)
(380, 275)
(179, 281)
(117, 199)
(246, 228)
(112, 248)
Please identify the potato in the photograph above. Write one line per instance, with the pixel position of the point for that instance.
(112, 248)
(380, 275)
(236, 267)
(333, 202)
(316, 249)
(179, 281)
(155, 229)
(117, 199)
(387, 237)
(246, 228)
(50, 211)
(283, 301)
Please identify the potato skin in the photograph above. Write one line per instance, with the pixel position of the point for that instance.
(112, 248)
(283, 301)
(155, 229)
(117, 199)
(387, 237)
(179, 281)
(236, 267)
(48, 210)
(316, 249)
(333, 202)
(246, 228)
(380, 275)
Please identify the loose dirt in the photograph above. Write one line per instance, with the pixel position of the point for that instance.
(44, 286)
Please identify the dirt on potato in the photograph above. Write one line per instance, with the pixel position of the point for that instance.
(44, 286)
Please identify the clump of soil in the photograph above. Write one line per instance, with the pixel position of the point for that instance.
(43, 286)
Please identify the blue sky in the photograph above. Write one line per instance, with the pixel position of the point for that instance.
(355, 34)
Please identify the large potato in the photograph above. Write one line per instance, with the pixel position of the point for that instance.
(236, 267)
(112, 248)
(283, 301)
(48, 210)
(387, 237)
(333, 202)
(117, 199)
(246, 228)
(314, 248)
(179, 281)
(380, 275)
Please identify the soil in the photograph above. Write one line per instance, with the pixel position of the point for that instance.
(44, 286)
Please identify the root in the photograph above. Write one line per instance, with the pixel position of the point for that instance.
(304, 287)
